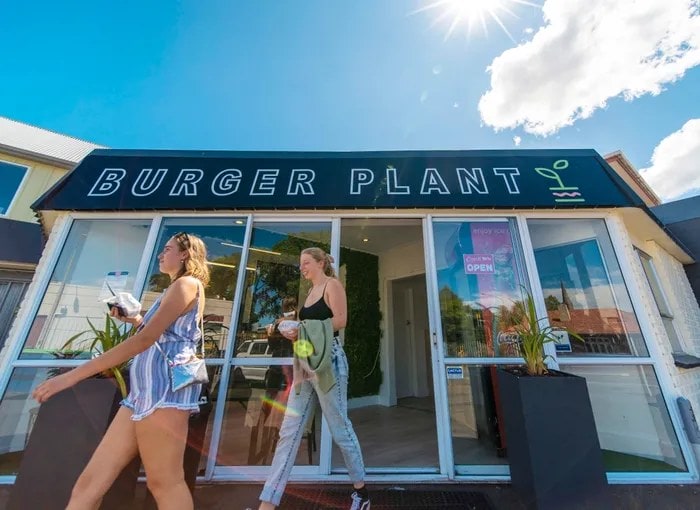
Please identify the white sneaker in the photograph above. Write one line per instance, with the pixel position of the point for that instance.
(358, 502)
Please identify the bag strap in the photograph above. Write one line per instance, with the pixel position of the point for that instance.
(200, 312)
(200, 322)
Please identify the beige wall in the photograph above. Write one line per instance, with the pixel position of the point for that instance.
(41, 176)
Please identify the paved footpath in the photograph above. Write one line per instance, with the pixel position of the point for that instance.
(231, 496)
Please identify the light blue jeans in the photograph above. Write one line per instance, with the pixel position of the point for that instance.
(334, 405)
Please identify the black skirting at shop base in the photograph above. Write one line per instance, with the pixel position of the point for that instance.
(332, 499)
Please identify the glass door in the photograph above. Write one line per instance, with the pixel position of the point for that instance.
(387, 340)
(478, 280)
(257, 372)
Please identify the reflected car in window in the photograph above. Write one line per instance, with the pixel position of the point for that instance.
(253, 349)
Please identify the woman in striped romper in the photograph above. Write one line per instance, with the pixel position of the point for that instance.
(153, 419)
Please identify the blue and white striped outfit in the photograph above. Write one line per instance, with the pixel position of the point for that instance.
(149, 379)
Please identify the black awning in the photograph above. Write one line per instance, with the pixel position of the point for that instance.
(109, 179)
(23, 241)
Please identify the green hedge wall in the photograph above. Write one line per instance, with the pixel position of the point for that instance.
(363, 332)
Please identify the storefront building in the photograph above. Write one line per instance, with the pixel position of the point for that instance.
(31, 161)
(434, 249)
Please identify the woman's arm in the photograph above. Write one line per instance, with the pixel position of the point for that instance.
(178, 298)
(338, 303)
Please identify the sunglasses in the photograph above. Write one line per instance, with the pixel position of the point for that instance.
(183, 238)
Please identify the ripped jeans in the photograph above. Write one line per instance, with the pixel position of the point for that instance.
(334, 405)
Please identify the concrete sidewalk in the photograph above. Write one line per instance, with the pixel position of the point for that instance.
(231, 496)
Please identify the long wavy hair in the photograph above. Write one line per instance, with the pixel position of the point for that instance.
(321, 256)
(196, 262)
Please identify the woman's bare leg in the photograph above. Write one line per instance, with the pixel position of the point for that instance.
(115, 451)
(162, 438)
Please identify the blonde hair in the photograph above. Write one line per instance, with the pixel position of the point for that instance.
(196, 262)
(321, 256)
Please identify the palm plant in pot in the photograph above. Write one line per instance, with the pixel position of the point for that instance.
(99, 341)
(551, 437)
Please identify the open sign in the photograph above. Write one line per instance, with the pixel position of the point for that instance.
(478, 264)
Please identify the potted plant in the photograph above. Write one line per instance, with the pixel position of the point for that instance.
(100, 341)
(551, 438)
(80, 416)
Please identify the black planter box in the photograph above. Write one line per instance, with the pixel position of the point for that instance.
(68, 428)
(552, 442)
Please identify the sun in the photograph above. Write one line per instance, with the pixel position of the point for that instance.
(472, 13)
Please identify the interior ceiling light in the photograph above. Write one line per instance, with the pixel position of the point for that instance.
(252, 248)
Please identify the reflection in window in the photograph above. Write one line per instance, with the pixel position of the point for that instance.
(477, 435)
(96, 253)
(480, 287)
(256, 400)
(18, 412)
(634, 427)
(272, 274)
(583, 286)
(224, 241)
(11, 177)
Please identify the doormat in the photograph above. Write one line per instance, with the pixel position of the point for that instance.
(335, 499)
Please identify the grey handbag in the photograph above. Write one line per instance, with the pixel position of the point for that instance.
(191, 371)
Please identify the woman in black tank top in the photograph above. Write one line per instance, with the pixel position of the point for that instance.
(326, 300)
(318, 310)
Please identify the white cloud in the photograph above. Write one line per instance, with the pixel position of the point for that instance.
(675, 163)
(517, 140)
(588, 52)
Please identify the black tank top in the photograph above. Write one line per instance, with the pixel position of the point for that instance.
(317, 311)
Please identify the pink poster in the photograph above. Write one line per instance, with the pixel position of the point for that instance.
(492, 259)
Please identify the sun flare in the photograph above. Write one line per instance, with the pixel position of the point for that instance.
(472, 13)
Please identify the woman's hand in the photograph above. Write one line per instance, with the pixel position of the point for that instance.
(134, 321)
(50, 387)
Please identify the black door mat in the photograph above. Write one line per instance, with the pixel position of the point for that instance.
(335, 499)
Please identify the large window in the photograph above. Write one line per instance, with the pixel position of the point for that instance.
(11, 177)
(479, 277)
(18, 412)
(98, 255)
(585, 292)
(634, 427)
(583, 287)
(223, 239)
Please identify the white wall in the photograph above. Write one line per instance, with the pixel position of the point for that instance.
(398, 262)
(684, 306)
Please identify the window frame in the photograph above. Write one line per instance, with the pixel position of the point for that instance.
(661, 300)
(20, 186)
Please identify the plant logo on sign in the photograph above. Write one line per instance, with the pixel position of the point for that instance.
(561, 193)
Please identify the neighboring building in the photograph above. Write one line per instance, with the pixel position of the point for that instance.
(434, 248)
(31, 161)
(632, 177)
(682, 218)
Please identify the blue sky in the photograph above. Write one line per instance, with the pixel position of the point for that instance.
(364, 75)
